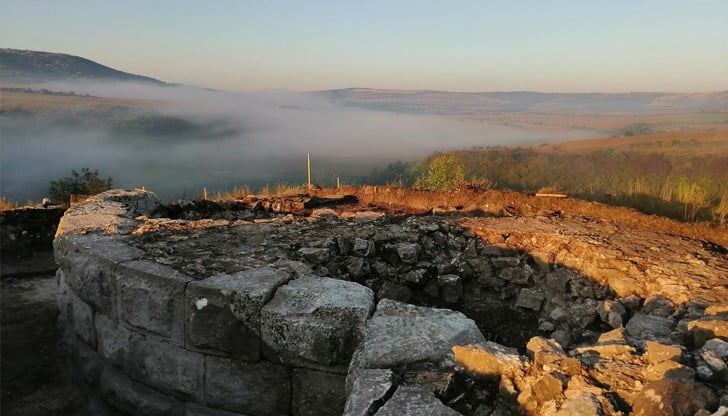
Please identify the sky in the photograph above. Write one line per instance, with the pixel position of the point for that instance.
(548, 46)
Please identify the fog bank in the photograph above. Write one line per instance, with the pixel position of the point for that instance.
(185, 138)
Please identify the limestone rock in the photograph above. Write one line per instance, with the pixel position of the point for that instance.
(451, 286)
(659, 306)
(707, 328)
(649, 327)
(656, 352)
(488, 359)
(408, 252)
(410, 401)
(399, 335)
(369, 387)
(669, 369)
(612, 313)
(316, 319)
(530, 299)
(672, 398)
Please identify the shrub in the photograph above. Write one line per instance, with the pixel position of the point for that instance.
(87, 182)
(443, 172)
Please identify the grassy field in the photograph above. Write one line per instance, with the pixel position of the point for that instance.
(42, 103)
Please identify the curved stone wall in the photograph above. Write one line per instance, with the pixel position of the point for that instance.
(276, 337)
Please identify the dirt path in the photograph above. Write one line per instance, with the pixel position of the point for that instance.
(34, 379)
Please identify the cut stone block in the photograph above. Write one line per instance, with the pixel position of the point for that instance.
(316, 319)
(135, 398)
(249, 388)
(166, 367)
(113, 340)
(151, 297)
(223, 311)
(317, 393)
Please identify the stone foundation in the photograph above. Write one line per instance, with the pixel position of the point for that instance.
(263, 314)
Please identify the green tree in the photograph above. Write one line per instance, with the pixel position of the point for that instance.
(443, 172)
(87, 182)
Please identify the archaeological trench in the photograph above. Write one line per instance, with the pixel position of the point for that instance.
(345, 305)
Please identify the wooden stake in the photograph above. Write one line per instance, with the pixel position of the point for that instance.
(308, 163)
(338, 183)
(204, 194)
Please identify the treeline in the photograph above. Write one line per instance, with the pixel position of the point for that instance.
(679, 185)
(43, 91)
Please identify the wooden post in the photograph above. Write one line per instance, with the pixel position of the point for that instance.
(308, 164)
(204, 194)
(338, 183)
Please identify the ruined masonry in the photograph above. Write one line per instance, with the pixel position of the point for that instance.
(302, 308)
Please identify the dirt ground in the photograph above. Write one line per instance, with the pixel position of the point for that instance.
(34, 378)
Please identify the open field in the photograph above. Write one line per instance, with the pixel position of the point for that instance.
(42, 103)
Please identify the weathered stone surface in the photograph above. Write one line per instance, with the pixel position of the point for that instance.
(530, 299)
(113, 340)
(399, 334)
(717, 309)
(672, 398)
(649, 327)
(135, 398)
(248, 388)
(315, 255)
(166, 367)
(368, 389)
(519, 275)
(408, 252)
(317, 393)
(547, 353)
(409, 401)
(505, 262)
(451, 286)
(668, 369)
(659, 306)
(612, 313)
(707, 328)
(582, 404)
(83, 320)
(489, 359)
(316, 319)
(223, 311)
(151, 297)
(113, 212)
(656, 352)
(363, 247)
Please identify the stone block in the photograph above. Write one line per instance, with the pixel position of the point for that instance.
(113, 340)
(249, 388)
(400, 335)
(519, 275)
(671, 397)
(91, 280)
(368, 387)
(316, 319)
(151, 297)
(317, 393)
(134, 398)
(451, 287)
(505, 262)
(85, 362)
(83, 320)
(363, 247)
(223, 311)
(408, 252)
(166, 367)
(656, 352)
(530, 299)
(488, 359)
(410, 401)
(649, 326)
(706, 328)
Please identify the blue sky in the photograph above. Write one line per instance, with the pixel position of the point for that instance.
(571, 46)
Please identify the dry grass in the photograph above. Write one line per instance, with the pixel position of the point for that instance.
(280, 189)
(6, 204)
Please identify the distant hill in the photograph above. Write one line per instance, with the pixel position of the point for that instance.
(22, 66)
(463, 103)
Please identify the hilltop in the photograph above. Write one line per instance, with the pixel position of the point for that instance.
(22, 66)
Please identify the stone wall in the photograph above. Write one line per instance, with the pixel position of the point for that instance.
(271, 335)
(25, 231)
